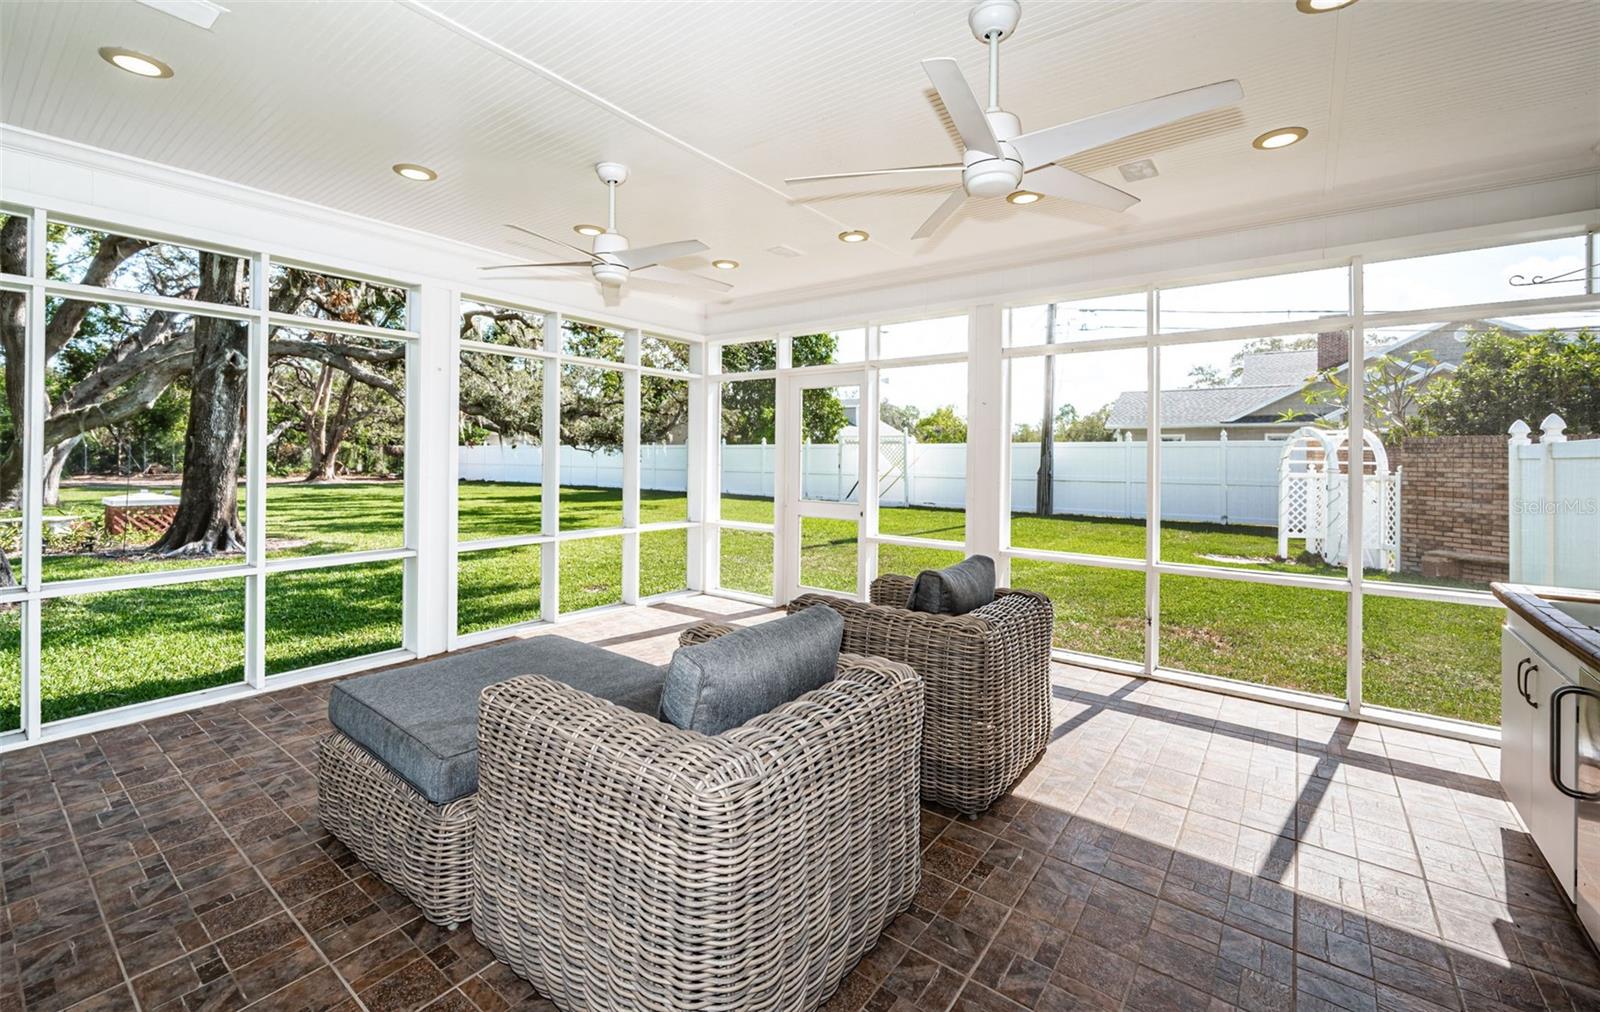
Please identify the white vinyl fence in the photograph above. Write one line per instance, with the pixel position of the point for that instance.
(1217, 481)
(1555, 507)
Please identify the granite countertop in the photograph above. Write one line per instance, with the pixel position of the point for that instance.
(1537, 605)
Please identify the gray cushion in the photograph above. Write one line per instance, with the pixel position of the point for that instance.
(714, 686)
(955, 590)
(421, 721)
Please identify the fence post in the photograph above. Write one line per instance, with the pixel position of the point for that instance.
(1222, 474)
(1551, 431)
(1519, 437)
(1127, 475)
(905, 468)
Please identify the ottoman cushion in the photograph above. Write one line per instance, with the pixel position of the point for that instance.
(421, 721)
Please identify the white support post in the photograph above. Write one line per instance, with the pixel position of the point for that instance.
(33, 484)
(452, 557)
(867, 483)
(550, 479)
(1355, 485)
(786, 468)
(430, 414)
(255, 585)
(1152, 478)
(988, 499)
(705, 502)
(631, 386)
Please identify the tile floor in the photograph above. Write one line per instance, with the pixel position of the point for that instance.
(1173, 849)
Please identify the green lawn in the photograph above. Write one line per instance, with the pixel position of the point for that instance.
(118, 647)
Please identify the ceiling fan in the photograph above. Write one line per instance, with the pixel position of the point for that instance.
(612, 261)
(998, 158)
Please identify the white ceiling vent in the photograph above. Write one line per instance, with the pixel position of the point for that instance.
(1144, 168)
(781, 250)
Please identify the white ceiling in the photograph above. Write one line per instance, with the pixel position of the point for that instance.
(712, 104)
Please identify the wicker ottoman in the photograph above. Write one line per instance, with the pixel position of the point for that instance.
(397, 778)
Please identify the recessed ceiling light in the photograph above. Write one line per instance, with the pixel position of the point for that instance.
(1279, 138)
(420, 173)
(854, 235)
(1023, 197)
(134, 63)
(725, 265)
(1320, 6)
(588, 230)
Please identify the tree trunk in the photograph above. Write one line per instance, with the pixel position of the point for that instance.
(331, 430)
(207, 521)
(1045, 482)
(14, 345)
(54, 462)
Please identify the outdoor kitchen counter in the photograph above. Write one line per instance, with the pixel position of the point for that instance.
(1540, 607)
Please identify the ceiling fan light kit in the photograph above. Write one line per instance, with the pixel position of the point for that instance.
(611, 260)
(998, 158)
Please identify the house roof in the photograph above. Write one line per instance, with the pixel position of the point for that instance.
(1197, 406)
(1277, 368)
(1266, 377)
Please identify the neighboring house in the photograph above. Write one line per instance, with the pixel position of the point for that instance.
(1271, 386)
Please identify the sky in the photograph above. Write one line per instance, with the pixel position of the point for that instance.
(1091, 380)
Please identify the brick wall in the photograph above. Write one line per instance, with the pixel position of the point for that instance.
(1454, 498)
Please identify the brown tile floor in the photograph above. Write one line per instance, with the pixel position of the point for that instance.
(1173, 849)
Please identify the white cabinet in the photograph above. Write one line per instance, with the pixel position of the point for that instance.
(1529, 674)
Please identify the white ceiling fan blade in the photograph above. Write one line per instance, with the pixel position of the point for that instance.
(962, 105)
(552, 263)
(1041, 147)
(644, 256)
(1055, 181)
(656, 272)
(576, 249)
(875, 172)
(940, 213)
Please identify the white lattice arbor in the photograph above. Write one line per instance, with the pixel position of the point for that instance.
(1313, 497)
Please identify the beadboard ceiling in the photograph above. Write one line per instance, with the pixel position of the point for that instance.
(712, 104)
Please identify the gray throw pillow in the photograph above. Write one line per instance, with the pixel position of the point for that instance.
(955, 590)
(712, 687)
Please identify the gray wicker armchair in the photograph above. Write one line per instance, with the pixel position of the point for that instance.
(622, 863)
(986, 676)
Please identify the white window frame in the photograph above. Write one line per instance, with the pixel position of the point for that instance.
(985, 319)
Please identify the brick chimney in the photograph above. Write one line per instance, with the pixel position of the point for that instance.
(1333, 349)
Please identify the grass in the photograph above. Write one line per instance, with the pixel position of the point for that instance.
(118, 647)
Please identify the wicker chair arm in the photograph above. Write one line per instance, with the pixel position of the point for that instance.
(892, 589)
(1012, 606)
(880, 620)
(704, 632)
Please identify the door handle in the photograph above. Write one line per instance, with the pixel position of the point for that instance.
(1555, 740)
(1522, 672)
(1532, 668)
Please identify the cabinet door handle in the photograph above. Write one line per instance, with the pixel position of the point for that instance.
(1522, 672)
(1555, 740)
(1532, 669)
